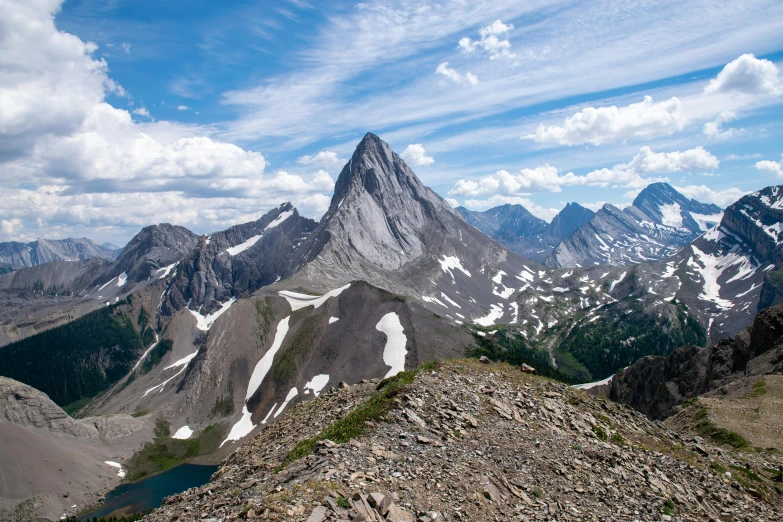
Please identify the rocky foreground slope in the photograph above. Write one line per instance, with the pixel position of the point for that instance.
(464, 441)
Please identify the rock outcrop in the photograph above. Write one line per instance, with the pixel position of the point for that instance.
(473, 442)
(656, 385)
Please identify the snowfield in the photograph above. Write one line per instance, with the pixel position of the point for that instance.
(394, 352)
(183, 433)
(242, 428)
(298, 301)
(205, 323)
(264, 365)
(316, 384)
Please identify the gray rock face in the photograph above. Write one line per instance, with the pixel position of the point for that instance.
(523, 233)
(23, 405)
(58, 277)
(20, 255)
(659, 223)
(238, 261)
(153, 248)
(655, 385)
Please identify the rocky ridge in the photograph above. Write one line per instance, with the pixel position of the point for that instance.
(657, 225)
(462, 441)
(17, 255)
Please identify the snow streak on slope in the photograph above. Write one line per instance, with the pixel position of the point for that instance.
(263, 366)
(394, 352)
(711, 270)
(298, 301)
(242, 428)
(237, 249)
(448, 263)
(494, 314)
(279, 219)
(291, 394)
(205, 323)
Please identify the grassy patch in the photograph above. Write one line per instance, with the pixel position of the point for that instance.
(759, 389)
(140, 413)
(752, 475)
(600, 433)
(355, 423)
(707, 428)
(164, 452)
(284, 370)
(73, 408)
(224, 404)
(618, 438)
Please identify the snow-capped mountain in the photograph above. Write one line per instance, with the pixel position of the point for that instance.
(656, 226)
(17, 255)
(521, 232)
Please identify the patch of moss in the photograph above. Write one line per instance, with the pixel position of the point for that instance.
(140, 413)
(600, 433)
(224, 404)
(354, 423)
(759, 389)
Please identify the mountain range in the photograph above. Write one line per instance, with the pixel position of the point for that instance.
(222, 333)
(14, 255)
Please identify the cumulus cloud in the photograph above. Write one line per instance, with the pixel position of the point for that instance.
(490, 42)
(142, 111)
(633, 174)
(452, 202)
(773, 168)
(325, 159)
(722, 198)
(183, 108)
(645, 119)
(714, 129)
(452, 75)
(747, 75)
(415, 155)
(93, 169)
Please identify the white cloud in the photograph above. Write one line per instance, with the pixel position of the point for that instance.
(97, 171)
(747, 75)
(126, 47)
(490, 42)
(714, 129)
(415, 155)
(692, 160)
(645, 119)
(183, 108)
(11, 227)
(634, 174)
(326, 159)
(142, 111)
(773, 168)
(454, 76)
(452, 202)
(737, 157)
(722, 198)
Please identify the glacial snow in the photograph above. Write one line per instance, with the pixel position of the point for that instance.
(205, 323)
(183, 433)
(297, 300)
(394, 352)
(710, 272)
(263, 366)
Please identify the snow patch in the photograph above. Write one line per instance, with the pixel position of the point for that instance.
(121, 472)
(394, 352)
(242, 427)
(279, 219)
(293, 392)
(183, 433)
(495, 313)
(297, 301)
(333, 319)
(448, 263)
(166, 270)
(182, 362)
(205, 323)
(237, 249)
(589, 385)
(316, 384)
(122, 279)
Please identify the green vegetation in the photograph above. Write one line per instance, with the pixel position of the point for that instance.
(77, 360)
(618, 438)
(749, 473)
(669, 507)
(776, 278)
(265, 315)
(164, 452)
(510, 347)
(707, 428)
(129, 518)
(343, 502)
(600, 433)
(156, 355)
(538, 492)
(355, 423)
(49, 290)
(284, 369)
(627, 333)
(224, 404)
(140, 413)
(759, 389)
(73, 408)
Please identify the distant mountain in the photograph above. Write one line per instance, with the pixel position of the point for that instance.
(522, 232)
(17, 255)
(657, 225)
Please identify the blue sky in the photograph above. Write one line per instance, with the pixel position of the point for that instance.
(118, 114)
